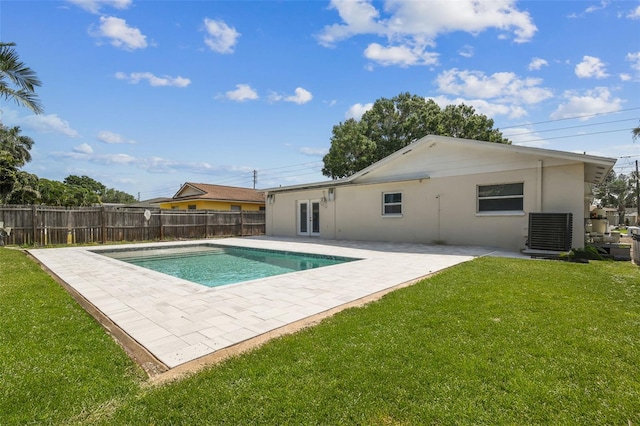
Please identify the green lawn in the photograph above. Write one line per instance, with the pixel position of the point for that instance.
(492, 341)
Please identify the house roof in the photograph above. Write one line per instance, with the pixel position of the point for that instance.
(190, 191)
(595, 170)
(152, 202)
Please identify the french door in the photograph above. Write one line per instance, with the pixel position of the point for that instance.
(309, 217)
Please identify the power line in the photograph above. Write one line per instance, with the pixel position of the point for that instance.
(575, 136)
(571, 118)
(247, 178)
(294, 165)
(571, 127)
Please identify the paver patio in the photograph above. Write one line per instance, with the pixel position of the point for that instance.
(177, 321)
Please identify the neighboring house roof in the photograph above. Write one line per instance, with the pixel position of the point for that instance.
(152, 202)
(455, 157)
(202, 191)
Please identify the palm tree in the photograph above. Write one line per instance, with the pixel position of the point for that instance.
(14, 153)
(23, 78)
(15, 146)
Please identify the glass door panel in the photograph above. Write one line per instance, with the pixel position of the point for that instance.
(303, 218)
(315, 217)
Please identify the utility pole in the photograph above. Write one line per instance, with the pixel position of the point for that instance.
(255, 178)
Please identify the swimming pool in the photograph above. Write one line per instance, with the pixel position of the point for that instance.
(215, 266)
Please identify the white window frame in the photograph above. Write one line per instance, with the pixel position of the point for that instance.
(392, 204)
(499, 197)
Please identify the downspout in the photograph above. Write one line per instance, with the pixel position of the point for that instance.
(539, 189)
(335, 225)
(439, 241)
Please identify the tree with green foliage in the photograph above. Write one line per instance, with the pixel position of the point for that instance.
(24, 189)
(15, 145)
(18, 81)
(88, 190)
(14, 153)
(392, 124)
(53, 193)
(617, 191)
(87, 183)
(117, 197)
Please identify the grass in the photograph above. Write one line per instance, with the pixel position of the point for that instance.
(492, 341)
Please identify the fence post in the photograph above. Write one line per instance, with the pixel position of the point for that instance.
(206, 224)
(241, 223)
(103, 224)
(161, 227)
(34, 214)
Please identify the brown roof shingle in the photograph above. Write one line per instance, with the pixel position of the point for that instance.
(219, 192)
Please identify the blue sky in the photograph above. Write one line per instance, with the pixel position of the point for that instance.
(146, 95)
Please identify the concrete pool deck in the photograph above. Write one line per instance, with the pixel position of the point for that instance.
(167, 323)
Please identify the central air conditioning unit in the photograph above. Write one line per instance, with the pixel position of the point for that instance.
(550, 231)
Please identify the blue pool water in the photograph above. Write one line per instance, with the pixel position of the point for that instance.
(215, 266)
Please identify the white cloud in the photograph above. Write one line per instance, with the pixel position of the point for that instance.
(313, 152)
(594, 101)
(503, 86)
(302, 96)
(634, 58)
(412, 26)
(122, 36)
(220, 37)
(114, 159)
(483, 107)
(466, 51)
(625, 77)
(591, 67)
(274, 96)
(164, 81)
(163, 165)
(94, 6)
(634, 14)
(112, 138)
(359, 17)
(537, 63)
(525, 136)
(591, 9)
(356, 111)
(243, 92)
(400, 55)
(83, 148)
(84, 152)
(105, 159)
(49, 124)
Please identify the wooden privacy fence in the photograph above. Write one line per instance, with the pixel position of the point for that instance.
(45, 225)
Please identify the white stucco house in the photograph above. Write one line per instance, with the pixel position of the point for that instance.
(448, 191)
